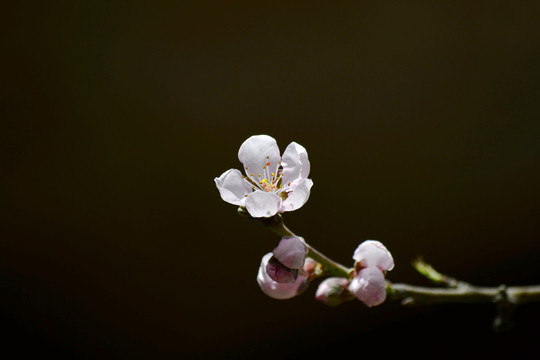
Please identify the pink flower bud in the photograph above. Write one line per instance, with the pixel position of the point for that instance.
(369, 286)
(373, 253)
(311, 269)
(291, 252)
(274, 289)
(279, 272)
(333, 291)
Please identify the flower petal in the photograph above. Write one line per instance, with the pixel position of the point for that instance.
(295, 164)
(279, 272)
(274, 289)
(232, 187)
(262, 204)
(373, 253)
(369, 286)
(297, 198)
(291, 252)
(256, 152)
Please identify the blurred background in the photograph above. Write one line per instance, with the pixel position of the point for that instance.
(421, 121)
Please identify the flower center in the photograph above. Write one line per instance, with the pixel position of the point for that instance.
(268, 179)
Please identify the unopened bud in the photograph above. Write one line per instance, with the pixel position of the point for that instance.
(276, 290)
(333, 291)
(311, 269)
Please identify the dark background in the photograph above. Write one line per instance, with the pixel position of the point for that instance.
(421, 121)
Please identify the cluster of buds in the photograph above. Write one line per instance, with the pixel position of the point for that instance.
(368, 284)
(274, 184)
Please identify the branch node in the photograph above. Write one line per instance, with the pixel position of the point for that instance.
(505, 307)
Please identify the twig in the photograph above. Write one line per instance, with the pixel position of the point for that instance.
(441, 279)
(421, 295)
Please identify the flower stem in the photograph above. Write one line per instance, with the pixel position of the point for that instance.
(277, 225)
(505, 298)
(457, 291)
(328, 264)
(421, 295)
(433, 275)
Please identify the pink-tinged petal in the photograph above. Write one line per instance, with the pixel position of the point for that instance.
(369, 286)
(256, 152)
(279, 272)
(333, 291)
(295, 164)
(291, 252)
(297, 198)
(232, 187)
(276, 290)
(373, 253)
(262, 204)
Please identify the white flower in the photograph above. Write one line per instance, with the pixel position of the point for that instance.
(372, 261)
(273, 184)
